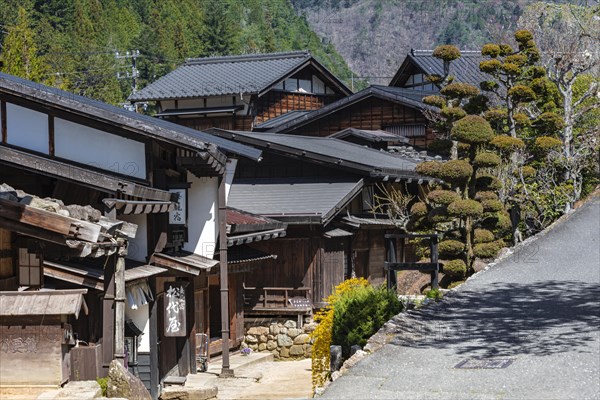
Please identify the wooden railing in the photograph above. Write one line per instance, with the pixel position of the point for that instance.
(276, 297)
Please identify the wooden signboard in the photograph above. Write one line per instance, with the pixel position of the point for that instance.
(175, 304)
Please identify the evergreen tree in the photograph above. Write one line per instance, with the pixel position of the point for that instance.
(221, 32)
(19, 51)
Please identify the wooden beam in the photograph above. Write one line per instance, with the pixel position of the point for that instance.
(85, 176)
(50, 221)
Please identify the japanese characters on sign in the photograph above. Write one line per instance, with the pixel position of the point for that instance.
(178, 216)
(175, 316)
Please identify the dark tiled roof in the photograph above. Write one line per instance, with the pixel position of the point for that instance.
(282, 119)
(212, 76)
(408, 97)
(243, 221)
(142, 124)
(335, 152)
(243, 254)
(293, 199)
(465, 69)
(369, 135)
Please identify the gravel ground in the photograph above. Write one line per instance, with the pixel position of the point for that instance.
(536, 313)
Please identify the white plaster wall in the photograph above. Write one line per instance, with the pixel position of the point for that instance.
(138, 246)
(140, 318)
(27, 128)
(203, 224)
(99, 149)
(229, 173)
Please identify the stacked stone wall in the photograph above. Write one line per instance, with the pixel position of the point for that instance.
(284, 339)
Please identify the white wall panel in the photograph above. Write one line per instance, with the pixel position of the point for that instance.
(27, 128)
(99, 148)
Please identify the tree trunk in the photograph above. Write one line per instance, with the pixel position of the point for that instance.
(515, 219)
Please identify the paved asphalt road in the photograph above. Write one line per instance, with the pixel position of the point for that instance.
(539, 309)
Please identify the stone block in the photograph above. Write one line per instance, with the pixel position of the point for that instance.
(296, 350)
(284, 340)
(284, 352)
(301, 339)
(274, 329)
(293, 332)
(310, 327)
(336, 357)
(183, 393)
(290, 324)
(262, 347)
(258, 330)
(251, 339)
(282, 330)
(262, 339)
(122, 383)
(271, 345)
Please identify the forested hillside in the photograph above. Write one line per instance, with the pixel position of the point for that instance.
(375, 35)
(73, 44)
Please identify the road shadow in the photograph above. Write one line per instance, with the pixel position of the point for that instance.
(507, 319)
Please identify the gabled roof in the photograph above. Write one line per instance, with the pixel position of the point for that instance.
(369, 135)
(465, 69)
(294, 200)
(43, 303)
(407, 97)
(123, 119)
(335, 153)
(213, 76)
(280, 120)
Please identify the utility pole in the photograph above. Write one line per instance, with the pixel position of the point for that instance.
(133, 75)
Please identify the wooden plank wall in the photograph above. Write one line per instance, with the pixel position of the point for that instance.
(6, 256)
(275, 103)
(240, 123)
(370, 114)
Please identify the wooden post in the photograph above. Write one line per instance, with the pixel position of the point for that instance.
(392, 281)
(108, 315)
(433, 246)
(120, 304)
(226, 371)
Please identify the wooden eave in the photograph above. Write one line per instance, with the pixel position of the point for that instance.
(255, 237)
(81, 175)
(42, 303)
(126, 207)
(186, 262)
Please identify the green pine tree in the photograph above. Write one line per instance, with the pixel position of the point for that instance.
(221, 36)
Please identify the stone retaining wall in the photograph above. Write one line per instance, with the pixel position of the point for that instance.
(284, 340)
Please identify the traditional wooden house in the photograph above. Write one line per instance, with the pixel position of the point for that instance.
(324, 189)
(397, 108)
(239, 92)
(168, 180)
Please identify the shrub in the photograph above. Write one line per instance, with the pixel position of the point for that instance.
(455, 284)
(428, 168)
(434, 294)
(487, 250)
(545, 144)
(477, 104)
(528, 171)
(438, 214)
(507, 143)
(549, 122)
(522, 120)
(472, 129)
(496, 115)
(437, 101)
(450, 248)
(521, 93)
(359, 313)
(490, 66)
(510, 68)
(453, 113)
(517, 59)
(419, 209)
(488, 182)
(446, 52)
(459, 90)
(441, 146)
(483, 236)
(523, 36)
(455, 171)
(486, 195)
(492, 205)
(465, 208)
(103, 382)
(505, 49)
(455, 269)
(486, 160)
(442, 197)
(491, 50)
(322, 335)
(489, 85)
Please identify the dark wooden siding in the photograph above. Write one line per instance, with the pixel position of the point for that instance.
(240, 123)
(369, 114)
(143, 369)
(275, 103)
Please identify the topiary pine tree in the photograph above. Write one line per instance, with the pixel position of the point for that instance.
(464, 207)
(453, 100)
